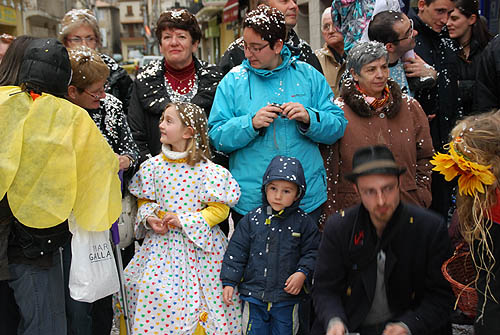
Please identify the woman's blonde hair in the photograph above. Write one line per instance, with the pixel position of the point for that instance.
(191, 115)
(88, 67)
(76, 18)
(477, 138)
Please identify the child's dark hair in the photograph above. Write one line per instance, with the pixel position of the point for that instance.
(191, 115)
(268, 22)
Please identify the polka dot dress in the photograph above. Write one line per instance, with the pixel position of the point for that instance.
(173, 281)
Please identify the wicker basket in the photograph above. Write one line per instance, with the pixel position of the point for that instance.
(460, 271)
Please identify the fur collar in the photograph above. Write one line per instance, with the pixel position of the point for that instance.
(354, 99)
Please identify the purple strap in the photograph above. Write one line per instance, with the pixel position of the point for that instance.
(115, 233)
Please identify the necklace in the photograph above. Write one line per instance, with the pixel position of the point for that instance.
(180, 97)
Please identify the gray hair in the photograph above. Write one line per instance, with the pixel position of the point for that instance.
(365, 53)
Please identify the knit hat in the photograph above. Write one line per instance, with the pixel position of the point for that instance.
(46, 67)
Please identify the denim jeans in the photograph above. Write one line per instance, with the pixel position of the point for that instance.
(79, 314)
(269, 320)
(39, 294)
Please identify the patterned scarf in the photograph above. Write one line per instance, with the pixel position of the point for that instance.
(375, 103)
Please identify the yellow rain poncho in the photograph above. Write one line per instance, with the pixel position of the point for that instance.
(54, 162)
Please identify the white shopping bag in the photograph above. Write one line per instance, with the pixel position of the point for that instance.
(93, 274)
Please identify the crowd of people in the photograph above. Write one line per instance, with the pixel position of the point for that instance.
(337, 168)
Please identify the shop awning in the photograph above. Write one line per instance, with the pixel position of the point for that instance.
(230, 12)
(207, 12)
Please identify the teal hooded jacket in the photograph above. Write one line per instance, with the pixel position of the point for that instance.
(245, 90)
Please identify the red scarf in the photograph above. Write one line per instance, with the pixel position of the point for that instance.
(181, 80)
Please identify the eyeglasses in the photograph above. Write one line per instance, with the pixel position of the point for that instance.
(254, 50)
(408, 35)
(328, 26)
(97, 94)
(384, 191)
(79, 40)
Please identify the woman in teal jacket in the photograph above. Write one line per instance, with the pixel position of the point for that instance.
(273, 104)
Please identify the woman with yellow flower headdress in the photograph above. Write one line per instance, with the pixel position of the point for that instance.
(474, 156)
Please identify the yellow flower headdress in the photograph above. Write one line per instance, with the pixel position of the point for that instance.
(473, 176)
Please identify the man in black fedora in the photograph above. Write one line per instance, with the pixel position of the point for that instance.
(379, 264)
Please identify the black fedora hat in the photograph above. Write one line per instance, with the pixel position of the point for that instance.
(376, 159)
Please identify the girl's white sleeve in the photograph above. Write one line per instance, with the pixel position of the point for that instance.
(218, 185)
(143, 188)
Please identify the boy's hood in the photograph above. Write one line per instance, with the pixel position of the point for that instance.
(289, 169)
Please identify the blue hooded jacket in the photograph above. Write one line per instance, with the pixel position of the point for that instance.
(268, 247)
(245, 90)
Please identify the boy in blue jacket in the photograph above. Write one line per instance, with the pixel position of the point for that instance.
(272, 252)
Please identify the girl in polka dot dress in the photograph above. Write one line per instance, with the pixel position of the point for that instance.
(172, 283)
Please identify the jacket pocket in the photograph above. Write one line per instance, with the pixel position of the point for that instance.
(38, 242)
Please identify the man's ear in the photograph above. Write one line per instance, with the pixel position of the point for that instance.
(355, 188)
(188, 133)
(72, 91)
(420, 5)
(390, 47)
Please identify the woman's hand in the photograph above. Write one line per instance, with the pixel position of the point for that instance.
(295, 111)
(294, 283)
(157, 225)
(265, 116)
(227, 295)
(125, 162)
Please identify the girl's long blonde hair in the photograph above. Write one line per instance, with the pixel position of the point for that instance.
(479, 141)
(191, 115)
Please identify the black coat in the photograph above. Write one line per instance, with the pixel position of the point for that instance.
(149, 98)
(235, 53)
(467, 68)
(268, 247)
(112, 123)
(6, 218)
(436, 49)
(416, 244)
(119, 82)
(487, 93)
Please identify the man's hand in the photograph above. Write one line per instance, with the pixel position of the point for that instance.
(294, 283)
(265, 116)
(394, 329)
(157, 225)
(227, 295)
(417, 67)
(337, 328)
(295, 111)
